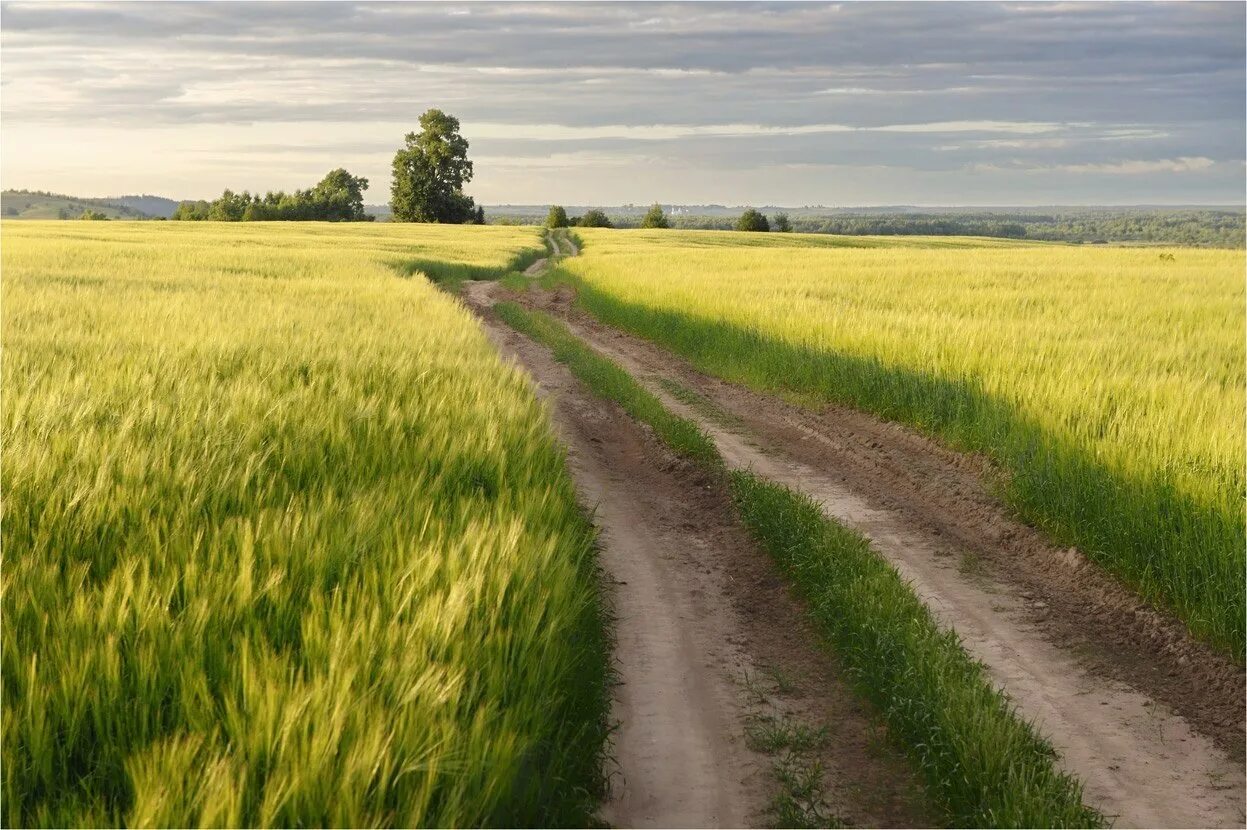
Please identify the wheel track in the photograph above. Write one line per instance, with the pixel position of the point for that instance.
(699, 609)
(1140, 760)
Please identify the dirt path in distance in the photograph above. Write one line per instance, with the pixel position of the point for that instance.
(1148, 718)
(708, 639)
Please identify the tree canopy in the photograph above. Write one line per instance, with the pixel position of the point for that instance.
(752, 220)
(430, 171)
(557, 217)
(655, 218)
(782, 225)
(338, 197)
(595, 219)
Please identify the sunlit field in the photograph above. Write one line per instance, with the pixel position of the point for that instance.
(1107, 383)
(285, 542)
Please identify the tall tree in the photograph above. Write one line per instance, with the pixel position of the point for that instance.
(429, 173)
(341, 196)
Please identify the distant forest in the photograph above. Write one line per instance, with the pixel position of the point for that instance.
(341, 199)
(1204, 227)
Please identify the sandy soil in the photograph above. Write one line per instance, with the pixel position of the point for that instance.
(1149, 719)
(702, 621)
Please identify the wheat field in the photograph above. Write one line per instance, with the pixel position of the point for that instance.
(286, 543)
(1106, 383)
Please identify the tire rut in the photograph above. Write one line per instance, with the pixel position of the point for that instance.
(1150, 720)
(702, 619)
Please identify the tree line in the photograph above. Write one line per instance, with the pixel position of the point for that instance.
(1199, 227)
(429, 173)
(751, 220)
(558, 218)
(338, 197)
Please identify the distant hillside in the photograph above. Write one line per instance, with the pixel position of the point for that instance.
(36, 204)
(150, 205)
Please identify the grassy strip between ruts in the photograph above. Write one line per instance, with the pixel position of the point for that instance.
(609, 380)
(985, 765)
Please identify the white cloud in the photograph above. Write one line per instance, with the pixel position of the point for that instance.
(666, 132)
(1184, 164)
(1132, 167)
(640, 132)
(795, 102)
(1024, 127)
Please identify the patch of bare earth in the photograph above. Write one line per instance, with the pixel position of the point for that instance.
(708, 638)
(1150, 719)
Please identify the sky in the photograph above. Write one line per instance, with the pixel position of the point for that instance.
(838, 104)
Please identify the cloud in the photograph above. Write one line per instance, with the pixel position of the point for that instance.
(972, 127)
(1132, 167)
(1185, 164)
(724, 88)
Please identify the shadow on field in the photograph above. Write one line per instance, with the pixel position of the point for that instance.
(1176, 551)
(453, 273)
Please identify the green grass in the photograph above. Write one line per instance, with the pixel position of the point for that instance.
(985, 765)
(608, 380)
(1107, 384)
(286, 544)
(450, 274)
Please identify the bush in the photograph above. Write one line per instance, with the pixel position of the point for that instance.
(595, 219)
(782, 225)
(655, 218)
(752, 220)
(557, 217)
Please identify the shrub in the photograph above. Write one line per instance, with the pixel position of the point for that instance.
(557, 217)
(655, 218)
(752, 220)
(595, 219)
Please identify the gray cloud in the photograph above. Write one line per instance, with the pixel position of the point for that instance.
(1098, 92)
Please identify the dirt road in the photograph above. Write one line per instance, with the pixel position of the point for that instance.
(1150, 720)
(709, 642)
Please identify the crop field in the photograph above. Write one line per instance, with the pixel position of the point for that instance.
(286, 543)
(289, 541)
(1106, 383)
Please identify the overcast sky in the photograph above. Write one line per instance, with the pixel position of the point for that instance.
(836, 104)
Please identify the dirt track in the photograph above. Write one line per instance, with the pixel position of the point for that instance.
(1149, 719)
(703, 622)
